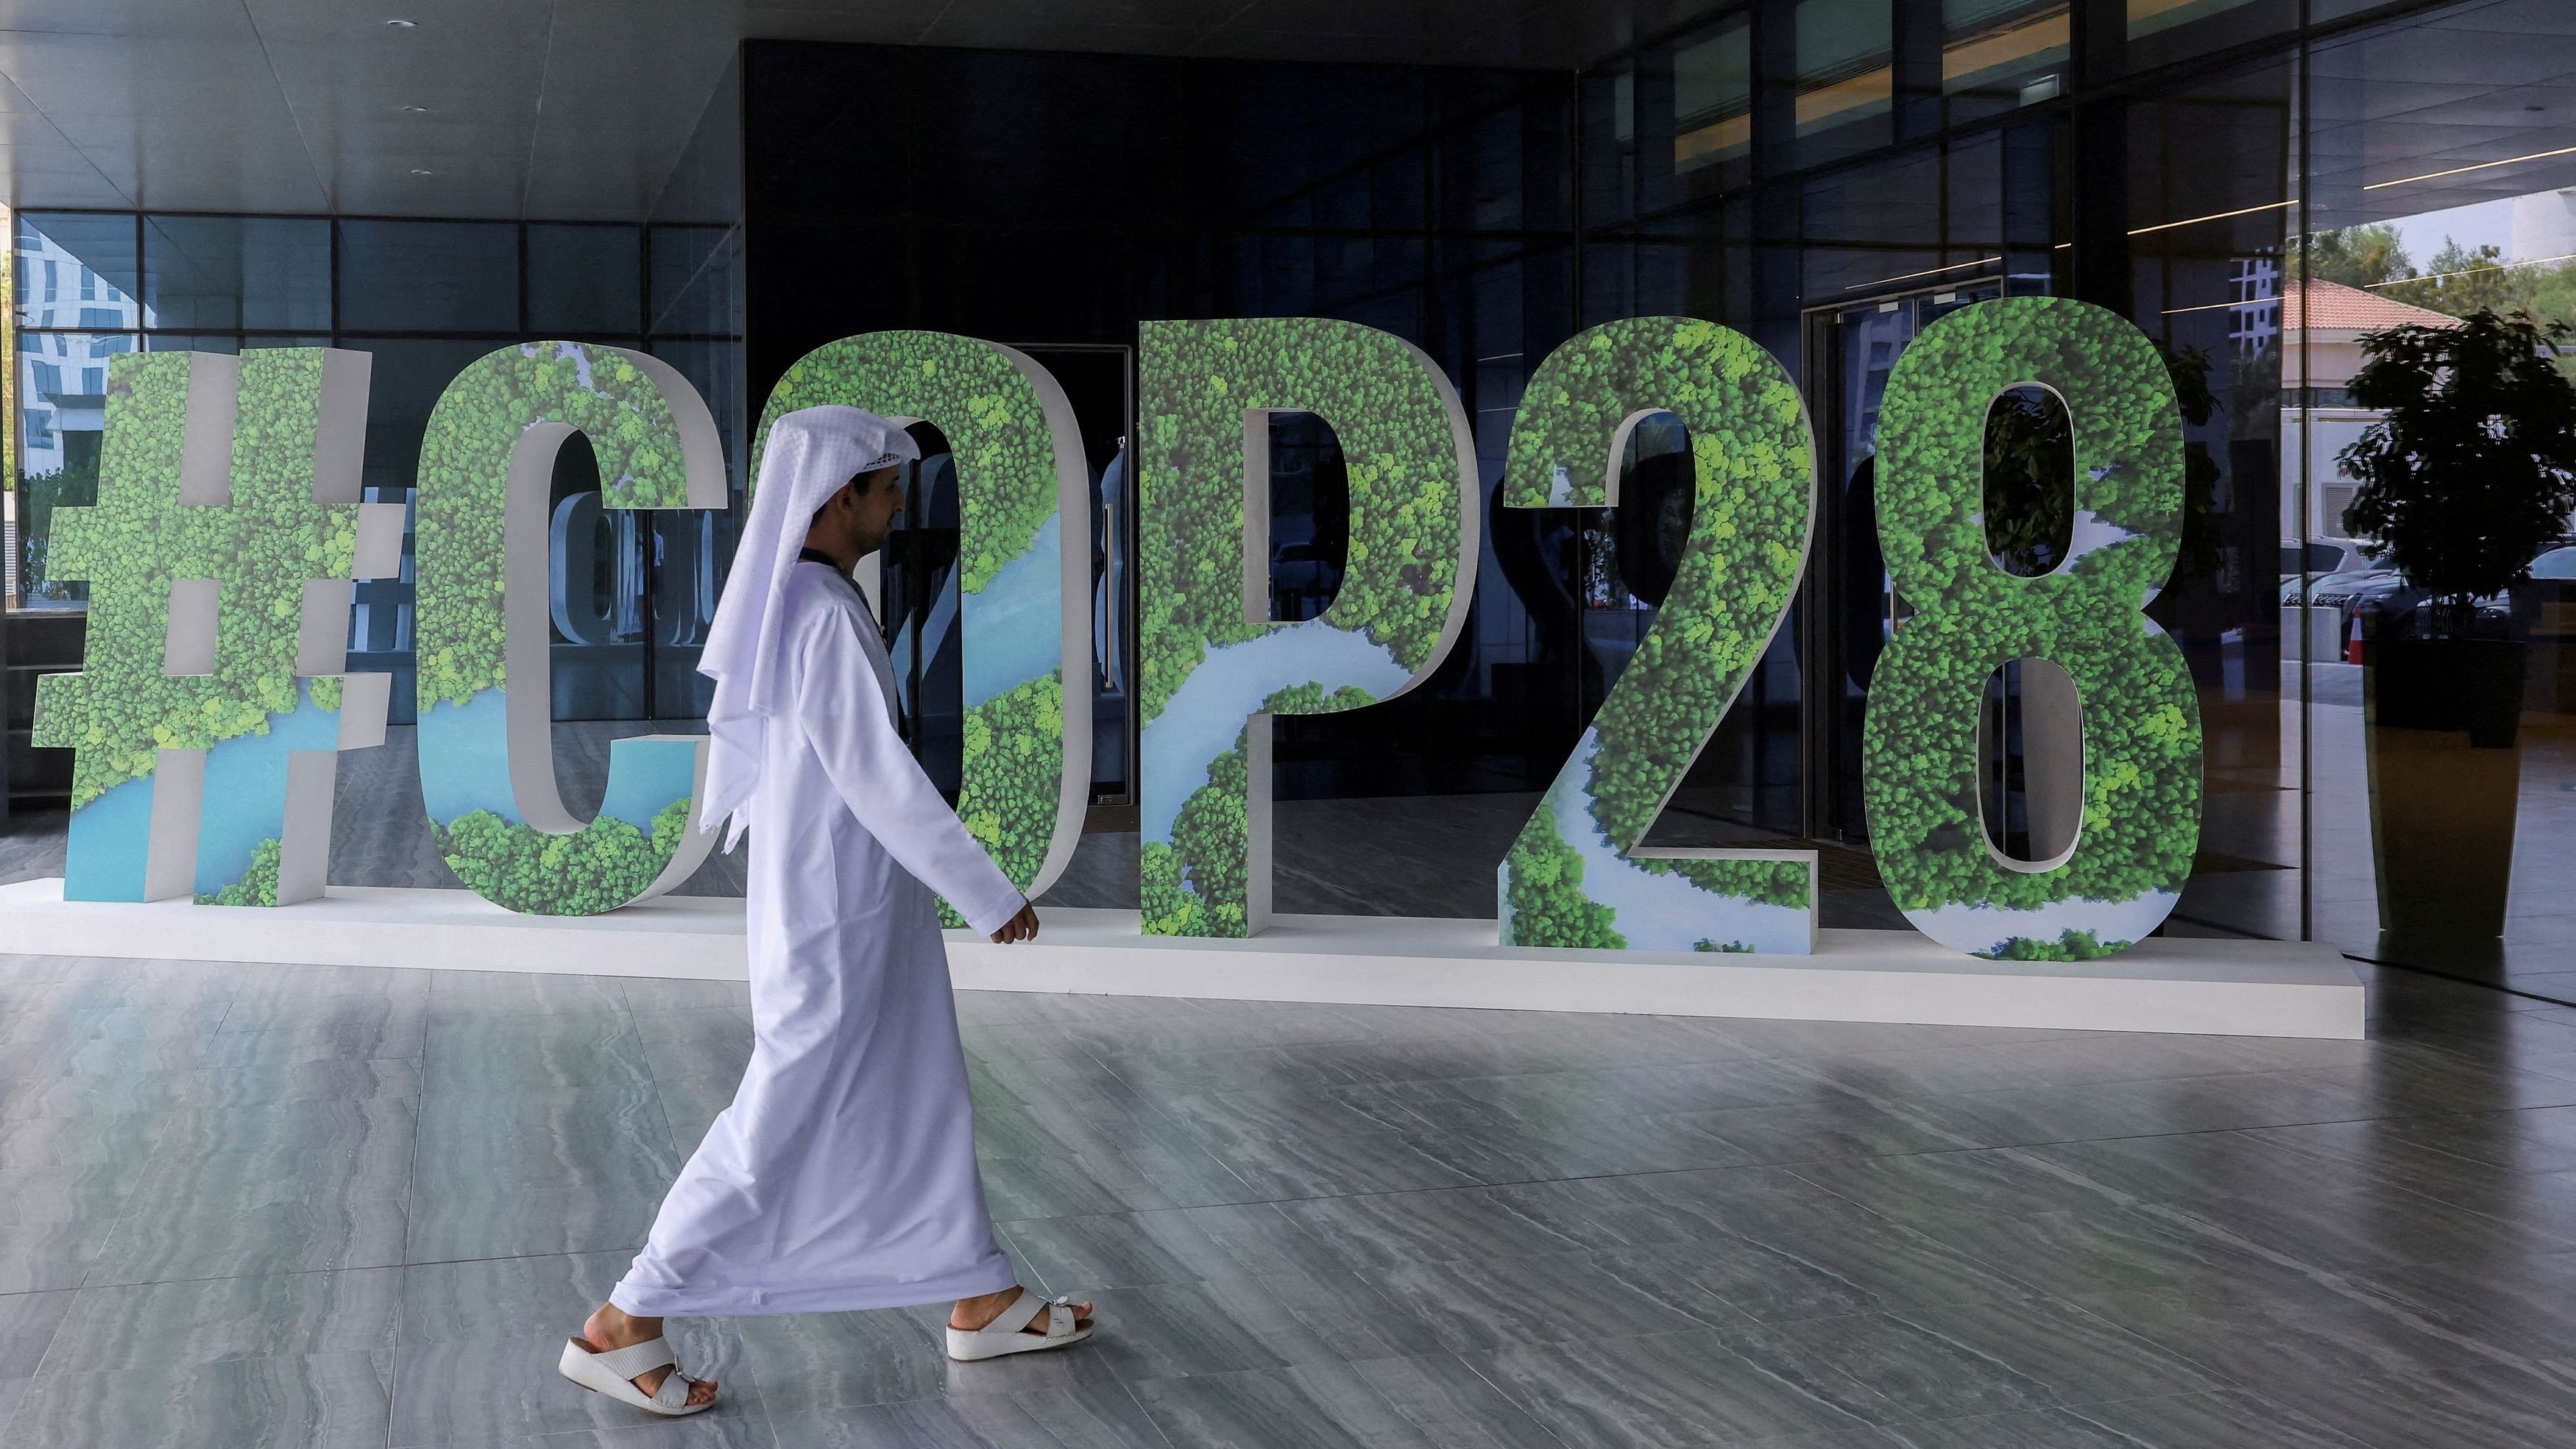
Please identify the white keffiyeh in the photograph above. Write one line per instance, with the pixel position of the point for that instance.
(811, 454)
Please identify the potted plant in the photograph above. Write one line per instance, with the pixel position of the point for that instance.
(2468, 473)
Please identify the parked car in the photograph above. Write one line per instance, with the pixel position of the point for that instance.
(2389, 606)
(2319, 556)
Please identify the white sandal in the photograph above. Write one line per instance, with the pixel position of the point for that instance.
(612, 1373)
(1004, 1334)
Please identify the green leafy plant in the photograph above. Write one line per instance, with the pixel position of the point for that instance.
(2471, 468)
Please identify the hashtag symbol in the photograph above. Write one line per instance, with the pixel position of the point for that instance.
(219, 557)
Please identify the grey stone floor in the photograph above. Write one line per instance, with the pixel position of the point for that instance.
(293, 1206)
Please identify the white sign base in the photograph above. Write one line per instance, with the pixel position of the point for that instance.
(2168, 984)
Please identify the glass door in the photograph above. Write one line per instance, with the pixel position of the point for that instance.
(1850, 609)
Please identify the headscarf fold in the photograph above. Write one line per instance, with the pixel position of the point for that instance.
(810, 454)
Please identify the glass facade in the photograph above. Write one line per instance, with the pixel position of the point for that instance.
(2258, 184)
(424, 298)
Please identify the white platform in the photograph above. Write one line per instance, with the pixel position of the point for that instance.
(2169, 984)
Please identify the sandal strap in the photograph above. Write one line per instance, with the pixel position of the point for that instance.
(1060, 1317)
(675, 1390)
(1015, 1317)
(638, 1359)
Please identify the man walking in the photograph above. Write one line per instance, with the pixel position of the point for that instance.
(843, 1176)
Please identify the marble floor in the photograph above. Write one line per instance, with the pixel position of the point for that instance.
(295, 1206)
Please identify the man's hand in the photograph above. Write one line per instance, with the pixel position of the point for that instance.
(1022, 927)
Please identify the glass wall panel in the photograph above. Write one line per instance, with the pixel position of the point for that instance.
(1999, 55)
(2438, 825)
(697, 281)
(1712, 101)
(585, 281)
(2210, 167)
(77, 270)
(429, 276)
(1846, 79)
(229, 272)
(62, 405)
(2162, 31)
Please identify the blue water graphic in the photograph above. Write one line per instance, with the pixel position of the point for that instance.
(1015, 626)
(1208, 710)
(465, 766)
(1655, 911)
(246, 790)
(245, 803)
(111, 837)
(465, 758)
(645, 776)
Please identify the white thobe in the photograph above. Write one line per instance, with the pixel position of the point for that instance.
(843, 1176)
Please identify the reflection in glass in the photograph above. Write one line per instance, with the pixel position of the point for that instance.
(1844, 70)
(584, 281)
(429, 276)
(1997, 54)
(1713, 98)
(230, 272)
(77, 270)
(62, 409)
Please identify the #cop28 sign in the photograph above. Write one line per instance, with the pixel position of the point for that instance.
(228, 529)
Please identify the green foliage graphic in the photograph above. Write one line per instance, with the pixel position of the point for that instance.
(1385, 406)
(474, 430)
(1543, 892)
(1197, 885)
(598, 868)
(1750, 518)
(258, 885)
(2071, 945)
(260, 550)
(464, 487)
(994, 418)
(1014, 764)
(2142, 784)
(1203, 384)
(976, 396)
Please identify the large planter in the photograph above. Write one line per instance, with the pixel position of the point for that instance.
(2444, 779)
(2451, 684)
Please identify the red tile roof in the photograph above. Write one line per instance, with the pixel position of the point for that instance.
(2351, 309)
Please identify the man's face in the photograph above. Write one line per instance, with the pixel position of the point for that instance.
(879, 498)
(856, 520)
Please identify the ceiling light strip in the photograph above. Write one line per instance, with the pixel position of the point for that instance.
(2465, 170)
(1927, 272)
(2213, 216)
